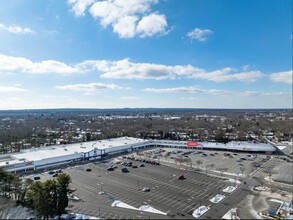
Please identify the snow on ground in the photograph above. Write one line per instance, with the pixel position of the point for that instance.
(144, 208)
(217, 198)
(228, 215)
(276, 201)
(82, 216)
(233, 181)
(229, 189)
(200, 211)
(120, 204)
(226, 173)
(281, 147)
(147, 208)
(261, 188)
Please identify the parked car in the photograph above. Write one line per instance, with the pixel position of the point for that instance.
(51, 172)
(88, 170)
(134, 166)
(110, 169)
(181, 177)
(37, 178)
(124, 170)
(146, 189)
(141, 165)
(55, 175)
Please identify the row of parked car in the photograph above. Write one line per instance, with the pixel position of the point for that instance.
(141, 160)
(54, 173)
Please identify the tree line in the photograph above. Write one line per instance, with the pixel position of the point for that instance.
(47, 199)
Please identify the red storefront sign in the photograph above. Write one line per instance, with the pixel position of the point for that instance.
(192, 144)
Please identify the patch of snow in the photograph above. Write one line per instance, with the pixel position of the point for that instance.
(276, 200)
(147, 208)
(227, 173)
(200, 211)
(229, 189)
(233, 181)
(217, 198)
(261, 188)
(82, 216)
(120, 204)
(228, 215)
(281, 147)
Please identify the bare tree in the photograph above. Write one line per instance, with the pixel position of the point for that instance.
(211, 166)
(199, 163)
(242, 169)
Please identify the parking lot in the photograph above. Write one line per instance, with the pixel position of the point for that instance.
(177, 198)
(98, 188)
(232, 161)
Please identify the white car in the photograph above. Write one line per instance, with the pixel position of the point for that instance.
(146, 189)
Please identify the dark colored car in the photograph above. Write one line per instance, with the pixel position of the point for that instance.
(134, 166)
(124, 170)
(181, 177)
(110, 169)
(55, 175)
(141, 165)
(37, 178)
(88, 170)
(51, 172)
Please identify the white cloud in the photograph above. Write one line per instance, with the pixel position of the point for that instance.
(189, 89)
(79, 6)
(90, 87)
(128, 18)
(193, 89)
(125, 69)
(199, 34)
(129, 97)
(20, 64)
(151, 25)
(284, 77)
(15, 29)
(125, 27)
(189, 98)
(8, 89)
(227, 74)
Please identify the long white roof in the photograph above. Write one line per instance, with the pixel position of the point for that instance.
(37, 154)
(42, 153)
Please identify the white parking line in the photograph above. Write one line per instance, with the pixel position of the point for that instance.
(103, 214)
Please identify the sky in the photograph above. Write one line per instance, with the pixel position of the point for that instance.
(145, 54)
